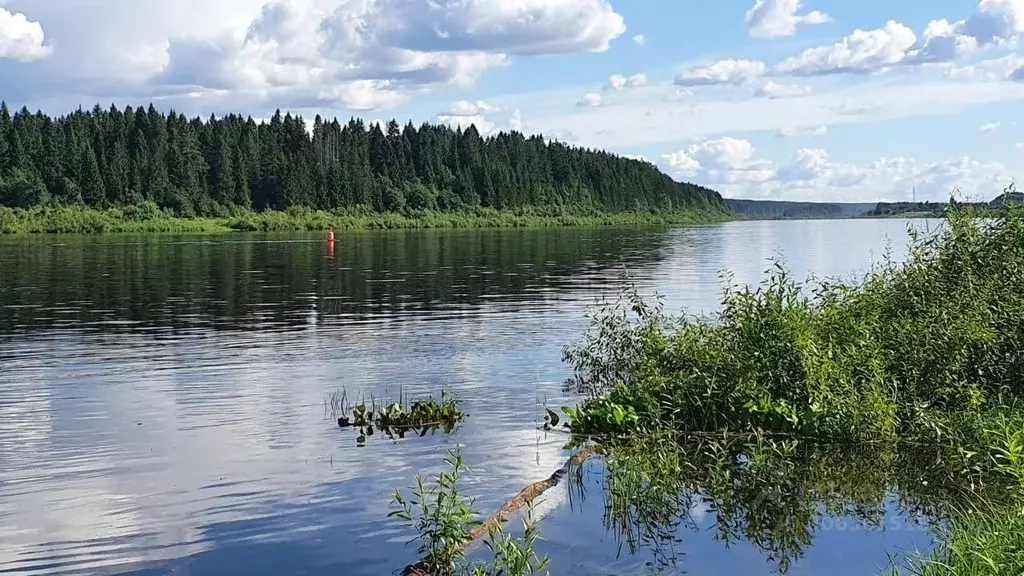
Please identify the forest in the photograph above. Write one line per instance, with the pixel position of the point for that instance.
(217, 167)
(779, 209)
(938, 209)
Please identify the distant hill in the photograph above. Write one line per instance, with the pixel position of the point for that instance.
(777, 210)
(781, 210)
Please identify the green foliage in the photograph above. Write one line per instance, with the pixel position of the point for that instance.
(395, 417)
(977, 544)
(361, 218)
(513, 556)
(929, 350)
(781, 210)
(143, 217)
(940, 209)
(904, 350)
(443, 520)
(441, 517)
(211, 167)
(983, 539)
(147, 216)
(778, 494)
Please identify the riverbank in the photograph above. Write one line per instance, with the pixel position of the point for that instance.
(927, 351)
(150, 218)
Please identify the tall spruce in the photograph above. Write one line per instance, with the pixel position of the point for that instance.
(111, 157)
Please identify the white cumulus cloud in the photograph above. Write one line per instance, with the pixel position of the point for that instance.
(723, 160)
(989, 127)
(861, 51)
(778, 18)
(20, 38)
(731, 71)
(467, 108)
(640, 39)
(483, 126)
(731, 166)
(680, 164)
(994, 22)
(295, 53)
(618, 81)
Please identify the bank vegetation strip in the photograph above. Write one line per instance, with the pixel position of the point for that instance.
(929, 350)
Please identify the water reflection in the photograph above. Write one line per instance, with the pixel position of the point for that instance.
(670, 505)
(275, 284)
(161, 400)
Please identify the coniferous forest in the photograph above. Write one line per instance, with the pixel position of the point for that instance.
(218, 166)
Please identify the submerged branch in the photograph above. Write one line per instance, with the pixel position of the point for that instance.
(525, 497)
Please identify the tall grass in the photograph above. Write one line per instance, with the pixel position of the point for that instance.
(984, 539)
(976, 544)
(148, 217)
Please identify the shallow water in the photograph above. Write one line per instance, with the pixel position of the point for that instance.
(162, 398)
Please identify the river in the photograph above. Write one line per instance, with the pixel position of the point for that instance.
(162, 398)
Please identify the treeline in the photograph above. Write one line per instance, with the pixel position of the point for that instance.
(938, 209)
(778, 209)
(214, 167)
(935, 209)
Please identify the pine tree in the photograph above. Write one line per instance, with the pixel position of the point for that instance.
(114, 157)
(94, 193)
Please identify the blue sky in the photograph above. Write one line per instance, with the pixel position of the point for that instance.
(786, 99)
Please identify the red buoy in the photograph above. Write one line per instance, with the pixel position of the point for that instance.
(330, 235)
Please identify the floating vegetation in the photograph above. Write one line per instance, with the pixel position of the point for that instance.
(395, 418)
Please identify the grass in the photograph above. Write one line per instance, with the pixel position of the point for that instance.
(148, 217)
(975, 544)
(986, 539)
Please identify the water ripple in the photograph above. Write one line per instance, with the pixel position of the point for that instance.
(161, 400)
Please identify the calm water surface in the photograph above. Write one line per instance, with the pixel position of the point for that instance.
(161, 399)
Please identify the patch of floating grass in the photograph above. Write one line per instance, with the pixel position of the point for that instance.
(395, 417)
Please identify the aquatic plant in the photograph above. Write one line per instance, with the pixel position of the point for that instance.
(985, 538)
(777, 494)
(444, 522)
(513, 556)
(441, 517)
(974, 544)
(395, 417)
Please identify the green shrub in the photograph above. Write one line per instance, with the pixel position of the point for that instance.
(939, 334)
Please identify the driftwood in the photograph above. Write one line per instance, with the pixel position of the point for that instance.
(524, 498)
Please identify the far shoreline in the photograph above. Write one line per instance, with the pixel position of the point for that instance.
(150, 219)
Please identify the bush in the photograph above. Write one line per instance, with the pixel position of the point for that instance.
(937, 335)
